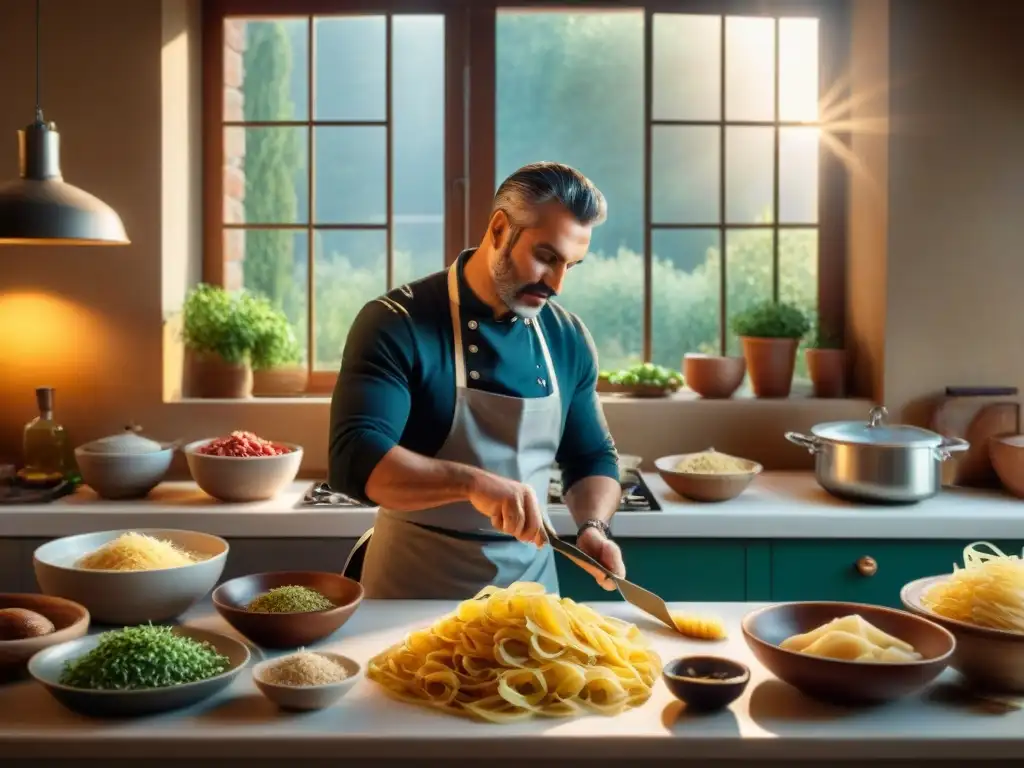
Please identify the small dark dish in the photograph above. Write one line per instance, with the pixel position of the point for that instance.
(847, 682)
(287, 630)
(706, 683)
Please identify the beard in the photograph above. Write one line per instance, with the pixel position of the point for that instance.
(511, 289)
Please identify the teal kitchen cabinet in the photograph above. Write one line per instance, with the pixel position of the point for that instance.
(684, 570)
(861, 571)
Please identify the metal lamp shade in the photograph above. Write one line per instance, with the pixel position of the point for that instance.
(40, 208)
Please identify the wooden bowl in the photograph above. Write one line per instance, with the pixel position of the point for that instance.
(706, 683)
(847, 682)
(1007, 455)
(700, 487)
(714, 377)
(287, 630)
(986, 658)
(70, 621)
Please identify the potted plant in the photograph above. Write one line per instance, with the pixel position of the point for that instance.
(826, 364)
(770, 333)
(219, 336)
(277, 367)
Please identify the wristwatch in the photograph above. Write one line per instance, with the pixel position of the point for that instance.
(600, 525)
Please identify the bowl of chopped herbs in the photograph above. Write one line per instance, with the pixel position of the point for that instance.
(140, 670)
(287, 609)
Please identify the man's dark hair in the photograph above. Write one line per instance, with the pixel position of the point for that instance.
(538, 183)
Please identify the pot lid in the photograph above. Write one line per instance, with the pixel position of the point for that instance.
(876, 432)
(128, 441)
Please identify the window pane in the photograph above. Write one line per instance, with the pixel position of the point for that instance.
(266, 70)
(273, 263)
(417, 108)
(748, 274)
(798, 276)
(749, 68)
(798, 175)
(687, 64)
(350, 68)
(798, 69)
(686, 294)
(554, 74)
(350, 269)
(749, 174)
(351, 175)
(685, 174)
(265, 175)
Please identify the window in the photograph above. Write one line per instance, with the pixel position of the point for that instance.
(698, 120)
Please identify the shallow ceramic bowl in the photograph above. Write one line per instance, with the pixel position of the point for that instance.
(847, 682)
(713, 377)
(70, 621)
(47, 665)
(706, 683)
(130, 597)
(123, 475)
(1007, 454)
(306, 697)
(287, 630)
(986, 658)
(232, 479)
(699, 487)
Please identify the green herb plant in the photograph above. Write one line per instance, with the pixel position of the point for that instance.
(146, 656)
(771, 320)
(290, 599)
(646, 374)
(276, 345)
(217, 322)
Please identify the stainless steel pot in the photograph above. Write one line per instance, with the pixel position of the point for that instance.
(878, 462)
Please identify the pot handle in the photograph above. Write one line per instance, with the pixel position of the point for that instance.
(949, 446)
(812, 444)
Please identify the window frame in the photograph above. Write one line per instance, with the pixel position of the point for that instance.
(470, 111)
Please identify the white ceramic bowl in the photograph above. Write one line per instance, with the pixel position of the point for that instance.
(123, 475)
(306, 697)
(232, 479)
(130, 597)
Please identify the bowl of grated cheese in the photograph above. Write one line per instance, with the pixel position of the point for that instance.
(707, 475)
(131, 576)
(306, 680)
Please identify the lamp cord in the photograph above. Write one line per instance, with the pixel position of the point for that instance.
(39, 101)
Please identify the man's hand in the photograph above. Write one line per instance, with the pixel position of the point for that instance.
(606, 552)
(511, 506)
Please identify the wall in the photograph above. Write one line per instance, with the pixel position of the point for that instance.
(117, 79)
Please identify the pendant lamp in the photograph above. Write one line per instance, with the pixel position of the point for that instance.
(40, 208)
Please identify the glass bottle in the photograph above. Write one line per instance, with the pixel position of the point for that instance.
(44, 444)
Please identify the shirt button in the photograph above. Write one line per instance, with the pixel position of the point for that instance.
(474, 375)
(514, 318)
(527, 321)
(542, 382)
(473, 324)
(474, 348)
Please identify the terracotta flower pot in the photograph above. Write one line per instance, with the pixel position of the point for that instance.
(770, 363)
(208, 375)
(827, 368)
(280, 382)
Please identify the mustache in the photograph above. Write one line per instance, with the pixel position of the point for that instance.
(538, 289)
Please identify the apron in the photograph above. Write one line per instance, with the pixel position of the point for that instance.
(451, 552)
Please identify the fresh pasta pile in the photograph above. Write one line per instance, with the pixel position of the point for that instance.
(509, 654)
(987, 592)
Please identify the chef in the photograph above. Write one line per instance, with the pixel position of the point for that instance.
(459, 392)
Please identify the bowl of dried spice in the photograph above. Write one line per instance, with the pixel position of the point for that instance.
(306, 680)
(287, 609)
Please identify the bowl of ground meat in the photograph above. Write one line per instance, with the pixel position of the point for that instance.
(243, 466)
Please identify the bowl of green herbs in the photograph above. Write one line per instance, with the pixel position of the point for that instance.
(140, 670)
(287, 609)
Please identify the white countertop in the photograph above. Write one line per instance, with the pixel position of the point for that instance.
(776, 505)
(770, 721)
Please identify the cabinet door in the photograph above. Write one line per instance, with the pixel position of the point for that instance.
(677, 570)
(862, 571)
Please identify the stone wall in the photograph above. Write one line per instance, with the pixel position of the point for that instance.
(234, 152)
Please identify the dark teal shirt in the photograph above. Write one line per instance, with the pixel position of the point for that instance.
(397, 380)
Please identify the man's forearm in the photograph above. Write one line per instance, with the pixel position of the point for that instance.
(406, 481)
(593, 498)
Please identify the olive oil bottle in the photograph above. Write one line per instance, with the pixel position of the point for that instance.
(45, 445)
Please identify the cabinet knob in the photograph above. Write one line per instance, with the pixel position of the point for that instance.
(867, 566)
